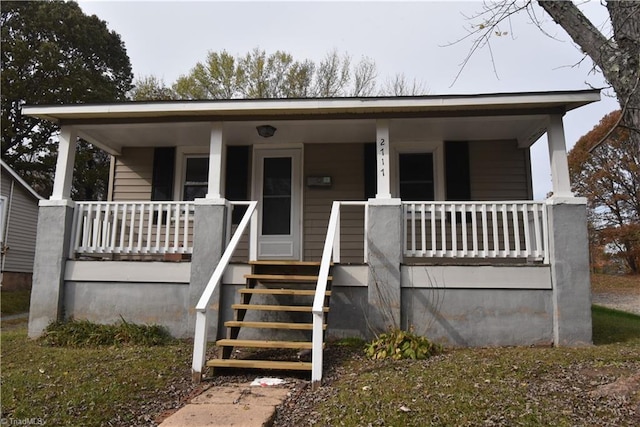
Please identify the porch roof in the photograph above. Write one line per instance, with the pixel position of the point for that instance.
(521, 116)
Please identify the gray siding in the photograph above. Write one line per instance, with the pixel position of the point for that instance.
(344, 163)
(21, 223)
(499, 170)
(133, 174)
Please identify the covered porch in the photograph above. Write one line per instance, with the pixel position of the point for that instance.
(465, 263)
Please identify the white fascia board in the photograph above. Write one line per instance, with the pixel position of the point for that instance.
(245, 107)
(20, 180)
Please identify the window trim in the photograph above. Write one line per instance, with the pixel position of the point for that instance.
(436, 148)
(182, 153)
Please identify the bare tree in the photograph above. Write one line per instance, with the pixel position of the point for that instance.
(399, 85)
(617, 55)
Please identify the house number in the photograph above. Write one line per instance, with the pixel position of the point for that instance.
(382, 171)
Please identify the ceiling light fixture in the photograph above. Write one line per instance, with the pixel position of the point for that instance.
(266, 131)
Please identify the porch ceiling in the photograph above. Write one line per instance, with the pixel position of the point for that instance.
(520, 116)
(113, 137)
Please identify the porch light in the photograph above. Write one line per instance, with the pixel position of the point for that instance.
(266, 131)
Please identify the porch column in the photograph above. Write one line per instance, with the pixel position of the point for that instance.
(64, 164)
(215, 161)
(569, 260)
(384, 252)
(558, 157)
(384, 243)
(382, 160)
(209, 234)
(55, 221)
(209, 240)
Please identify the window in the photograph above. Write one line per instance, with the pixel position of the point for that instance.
(416, 176)
(196, 178)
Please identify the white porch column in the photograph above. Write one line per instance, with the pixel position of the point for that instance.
(215, 162)
(382, 160)
(558, 157)
(64, 164)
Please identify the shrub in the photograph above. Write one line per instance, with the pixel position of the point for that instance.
(83, 333)
(399, 344)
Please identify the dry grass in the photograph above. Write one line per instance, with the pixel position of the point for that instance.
(619, 284)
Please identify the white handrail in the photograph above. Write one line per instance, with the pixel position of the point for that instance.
(319, 297)
(201, 330)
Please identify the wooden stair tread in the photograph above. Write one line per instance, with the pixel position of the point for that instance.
(285, 277)
(271, 325)
(260, 364)
(286, 262)
(299, 308)
(281, 291)
(264, 344)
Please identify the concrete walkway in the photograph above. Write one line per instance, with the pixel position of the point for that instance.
(230, 405)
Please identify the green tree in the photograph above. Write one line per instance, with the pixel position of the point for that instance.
(151, 88)
(278, 75)
(52, 53)
(607, 173)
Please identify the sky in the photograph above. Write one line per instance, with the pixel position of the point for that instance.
(167, 38)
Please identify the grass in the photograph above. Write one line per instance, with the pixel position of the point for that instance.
(91, 386)
(613, 326)
(14, 302)
(493, 386)
(621, 284)
(132, 384)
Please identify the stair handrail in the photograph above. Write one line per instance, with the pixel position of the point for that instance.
(201, 329)
(319, 297)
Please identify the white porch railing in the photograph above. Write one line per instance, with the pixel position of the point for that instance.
(132, 228)
(201, 332)
(331, 247)
(476, 230)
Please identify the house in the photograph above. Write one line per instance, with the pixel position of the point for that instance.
(18, 221)
(411, 211)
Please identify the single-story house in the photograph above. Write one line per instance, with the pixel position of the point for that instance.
(224, 215)
(18, 222)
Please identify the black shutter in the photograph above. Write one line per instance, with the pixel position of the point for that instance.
(458, 179)
(236, 187)
(164, 160)
(370, 171)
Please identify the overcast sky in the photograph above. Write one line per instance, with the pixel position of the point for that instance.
(167, 38)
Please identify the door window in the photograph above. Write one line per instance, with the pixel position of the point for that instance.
(276, 196)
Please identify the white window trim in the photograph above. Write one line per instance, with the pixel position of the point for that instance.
(182, 153)
(436, 148)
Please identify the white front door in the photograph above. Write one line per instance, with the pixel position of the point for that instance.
(277, 187)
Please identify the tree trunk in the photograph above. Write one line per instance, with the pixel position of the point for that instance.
(618, 57)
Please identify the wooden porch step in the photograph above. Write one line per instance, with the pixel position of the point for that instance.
(280, 291)
(284, 277)
(299, 308)
(264, 344)
(286, 262)
(271, 325)
(259, 364)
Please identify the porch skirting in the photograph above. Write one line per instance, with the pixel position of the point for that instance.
(455, 305)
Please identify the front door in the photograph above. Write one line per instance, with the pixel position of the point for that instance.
(277, 188)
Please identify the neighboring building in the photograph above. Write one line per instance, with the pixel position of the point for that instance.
(440, 232)
(18, 222)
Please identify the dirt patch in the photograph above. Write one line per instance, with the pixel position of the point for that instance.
(624, 387)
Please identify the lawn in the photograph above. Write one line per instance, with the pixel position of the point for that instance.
(14, 302)
(536, 386)
(126, 385)
(135, 385)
